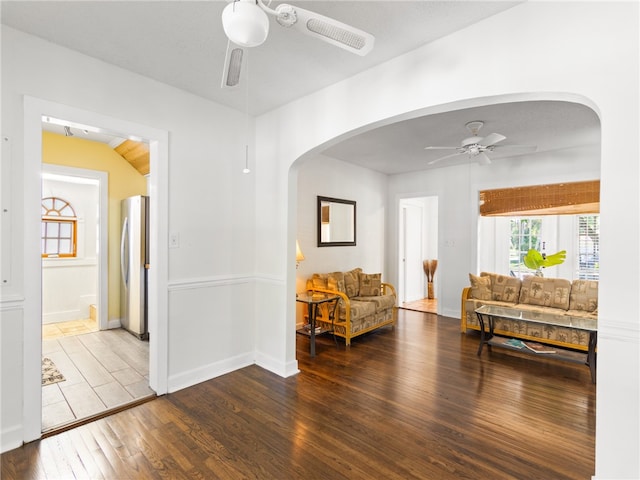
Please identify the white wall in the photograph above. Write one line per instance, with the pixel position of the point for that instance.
(210, 205)
(431, 228)
(70, 285)
(585, 52)
(328, 177)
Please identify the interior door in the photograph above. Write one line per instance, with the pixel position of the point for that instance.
(413, 274)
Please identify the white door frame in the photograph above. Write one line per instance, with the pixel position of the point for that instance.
(432, 243)
(34, 110)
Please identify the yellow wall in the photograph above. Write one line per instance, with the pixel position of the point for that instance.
(124, 181)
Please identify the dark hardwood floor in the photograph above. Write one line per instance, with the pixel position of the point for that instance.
(413, 402)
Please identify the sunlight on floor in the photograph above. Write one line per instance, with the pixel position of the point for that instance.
(66, 329)
(425, 305)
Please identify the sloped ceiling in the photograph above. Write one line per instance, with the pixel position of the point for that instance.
(136, 153)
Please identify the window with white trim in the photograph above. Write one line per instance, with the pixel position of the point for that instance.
(525, 234)
(588, 261)
(59, 228)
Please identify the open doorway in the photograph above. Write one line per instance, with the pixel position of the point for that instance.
(418, 242)
(35, 110)
(90, 365)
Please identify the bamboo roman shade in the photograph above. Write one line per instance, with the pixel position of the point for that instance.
(556, 199)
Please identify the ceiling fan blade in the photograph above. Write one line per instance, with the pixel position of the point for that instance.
(443, 158)
(491, 139)
(441, 148)
(520, 148)
(232, 65)
(331, 31)
(483, 159)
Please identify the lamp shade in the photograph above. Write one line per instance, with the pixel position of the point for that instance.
(245, 23)
(299, 255)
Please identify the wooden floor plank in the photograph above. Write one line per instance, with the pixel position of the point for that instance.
(85, 456)
(409, 402)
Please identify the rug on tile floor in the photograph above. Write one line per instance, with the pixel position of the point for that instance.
(50, 373)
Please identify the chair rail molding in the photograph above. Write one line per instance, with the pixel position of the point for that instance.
(208, 282)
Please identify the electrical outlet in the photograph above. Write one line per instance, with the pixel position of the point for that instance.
(174, 240)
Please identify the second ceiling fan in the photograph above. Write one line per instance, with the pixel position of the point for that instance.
(246, 25)
(477, 147)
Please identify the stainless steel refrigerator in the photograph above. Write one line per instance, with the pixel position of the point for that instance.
(134, 261)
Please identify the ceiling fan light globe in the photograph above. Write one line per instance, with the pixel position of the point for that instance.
(245, 23)
(473, 150)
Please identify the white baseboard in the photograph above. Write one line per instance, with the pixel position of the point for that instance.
(450, 313)
(114, 323)
(11, 438)
(207, 372)
(279, 368)
(63, 316)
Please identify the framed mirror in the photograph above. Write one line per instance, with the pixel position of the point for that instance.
(336, 222)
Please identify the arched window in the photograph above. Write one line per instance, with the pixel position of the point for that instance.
(59, 230)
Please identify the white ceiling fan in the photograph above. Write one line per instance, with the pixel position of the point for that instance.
(246, 25)
(477, 147)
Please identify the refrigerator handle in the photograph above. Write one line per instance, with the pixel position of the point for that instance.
(123, 260)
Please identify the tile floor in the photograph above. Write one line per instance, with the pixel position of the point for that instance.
(102, 369)
(65, 329)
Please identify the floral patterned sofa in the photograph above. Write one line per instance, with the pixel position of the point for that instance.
(366, 303)
(554, 295)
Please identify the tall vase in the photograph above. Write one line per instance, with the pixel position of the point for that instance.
(430, 267)
(430, 294)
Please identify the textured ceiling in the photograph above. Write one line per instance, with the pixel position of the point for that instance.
(181, 43)
(399, 148)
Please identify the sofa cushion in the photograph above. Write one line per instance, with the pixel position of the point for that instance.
(335, 281)
(543, 331)
(503, 287)
(480, 287)
(359, 309)
(381, 302)
(319, 281)
(584, 295)
(583, 314)
(472, 304)
(527, 307)
(546, 292)
(331, 281)
(352, 282)
(370, 284)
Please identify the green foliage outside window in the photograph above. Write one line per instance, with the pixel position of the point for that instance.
(526, 235)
